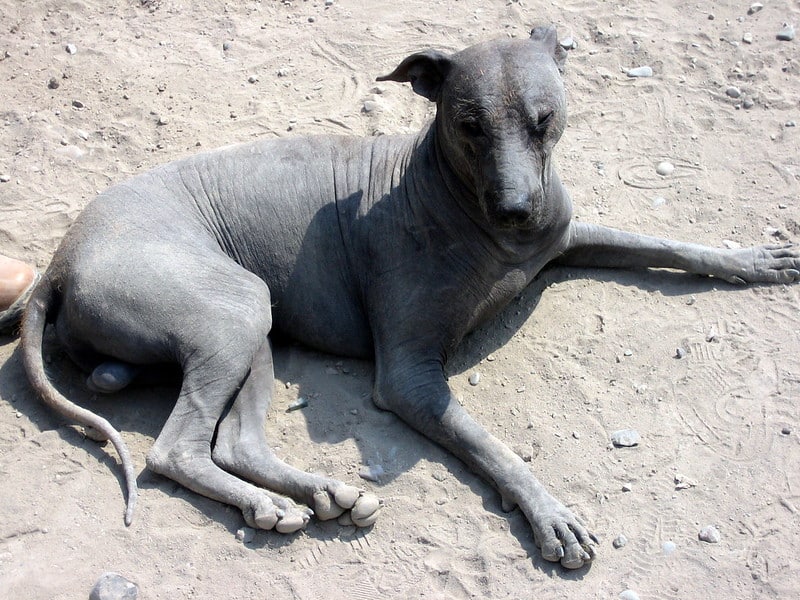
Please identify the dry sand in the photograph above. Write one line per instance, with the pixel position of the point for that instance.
(596, 354)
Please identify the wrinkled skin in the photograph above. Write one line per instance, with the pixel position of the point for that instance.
(387, 247)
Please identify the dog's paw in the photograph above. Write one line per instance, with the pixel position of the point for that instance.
(283, 516)
(560, 535)
(779, 263)
(350, 505)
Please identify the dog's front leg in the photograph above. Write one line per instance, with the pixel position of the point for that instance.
(597, 246)
(418, 393)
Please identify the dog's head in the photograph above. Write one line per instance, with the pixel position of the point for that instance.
(500, 110)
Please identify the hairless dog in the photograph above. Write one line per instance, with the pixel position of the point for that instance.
(389, 247)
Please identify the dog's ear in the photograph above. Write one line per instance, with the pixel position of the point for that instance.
(548, 39)
(424, 70)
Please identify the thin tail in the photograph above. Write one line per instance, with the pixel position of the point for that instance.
(32, 335)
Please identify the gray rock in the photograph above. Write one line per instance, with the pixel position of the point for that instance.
(625, 438)
(245, 534)
(665, 168)
(644, 71)
(371, 472)
(733, 92)
(475, 378)
(786, 34)
(747, 38)
(748, 103)
(568, 43)
(754, 8)
(53, 83)
(680, 352)
(709, 534)
(113, 586)
(226, 46)
(619, 541)
(71, 48)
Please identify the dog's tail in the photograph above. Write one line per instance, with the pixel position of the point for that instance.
(40, 304)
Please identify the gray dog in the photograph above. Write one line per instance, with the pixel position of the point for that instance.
(390, 247)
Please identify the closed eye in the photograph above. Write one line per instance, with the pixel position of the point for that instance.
(542, 121)
(472, 128)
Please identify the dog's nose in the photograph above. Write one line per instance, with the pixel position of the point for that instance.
(514, 211)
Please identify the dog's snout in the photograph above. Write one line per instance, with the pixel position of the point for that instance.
(512, 210)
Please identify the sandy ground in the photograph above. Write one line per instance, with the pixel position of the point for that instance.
(150, 81)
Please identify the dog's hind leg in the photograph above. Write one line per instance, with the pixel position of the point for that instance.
(217, 344)
(241, 447)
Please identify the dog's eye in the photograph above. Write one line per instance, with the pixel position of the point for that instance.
(542, 122)
(472, 128)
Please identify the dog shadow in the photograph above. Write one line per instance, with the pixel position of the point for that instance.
(337, 398)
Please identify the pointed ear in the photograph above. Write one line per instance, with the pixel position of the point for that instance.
(548, 39)
(424, 70)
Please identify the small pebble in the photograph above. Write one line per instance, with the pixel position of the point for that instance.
(568, 43)
(77, 104)
(712, 334)
(668, 547)
(680, 352)
(747, 38)
(786, 430)
(328, 2)
(790, 124)
(709, 534)
(53, 83)
(245, 534)
(71, 48)
(162, 120)
(640, 72)
(113, 586)
(629, 595)
(628, 353)
(371, 472)
(754, 8)
(226, 46)
(369, 106)
(786, 34)
(297, 405)
(5, 178)
(625, 438)
(619, 541)
(665, 168)
(252, 79)
(733, 92)
(748, 103)
(626, 487)
(475, 378)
